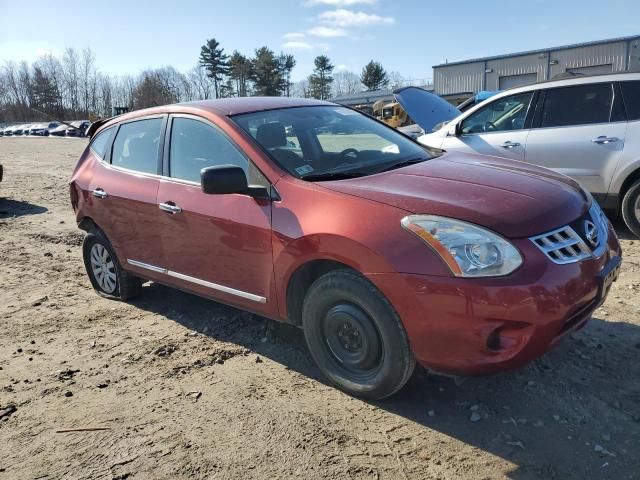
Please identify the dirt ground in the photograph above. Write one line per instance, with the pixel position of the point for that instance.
(188, 388)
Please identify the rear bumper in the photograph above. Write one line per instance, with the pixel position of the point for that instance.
(481, 326)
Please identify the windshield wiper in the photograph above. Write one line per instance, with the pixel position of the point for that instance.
(313, 177)
(403, 163)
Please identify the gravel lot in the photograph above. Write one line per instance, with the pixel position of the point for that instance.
(188, 388)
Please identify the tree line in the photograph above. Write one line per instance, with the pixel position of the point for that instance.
(72, 86)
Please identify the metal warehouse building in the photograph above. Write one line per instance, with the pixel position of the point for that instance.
(457, 81)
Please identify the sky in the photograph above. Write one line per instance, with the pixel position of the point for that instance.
(407, 36)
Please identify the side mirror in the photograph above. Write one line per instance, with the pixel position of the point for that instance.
(226, 179)
(223, 179)
(453, 130)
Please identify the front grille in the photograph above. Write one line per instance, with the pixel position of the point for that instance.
(562, 246)
(565, 245)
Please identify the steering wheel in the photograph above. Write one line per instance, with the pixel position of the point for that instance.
(489, 126)
(349, 154)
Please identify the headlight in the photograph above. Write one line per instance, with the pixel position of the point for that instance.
(468, 250)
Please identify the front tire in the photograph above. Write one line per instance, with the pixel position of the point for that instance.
(104, 270)
(355, 336)
(631, 208)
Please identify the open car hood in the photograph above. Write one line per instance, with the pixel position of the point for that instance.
(425, 108)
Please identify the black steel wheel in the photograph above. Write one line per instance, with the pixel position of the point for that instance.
(355, 336)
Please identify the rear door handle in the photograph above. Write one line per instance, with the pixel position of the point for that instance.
(603, 140)
(100, 193)
(169, 207)
(509, 144)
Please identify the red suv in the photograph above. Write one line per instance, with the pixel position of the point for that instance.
(314, 214)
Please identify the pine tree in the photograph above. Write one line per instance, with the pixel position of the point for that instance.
(320, 81)
(214, 60)
(240, 72)
(45, 94)
(373, 76)
(287, 62)
(266, 73)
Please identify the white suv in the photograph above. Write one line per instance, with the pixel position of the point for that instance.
(585, 127)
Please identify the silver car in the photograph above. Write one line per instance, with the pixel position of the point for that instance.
(585, 127)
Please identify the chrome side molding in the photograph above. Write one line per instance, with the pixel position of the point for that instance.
(198, 281)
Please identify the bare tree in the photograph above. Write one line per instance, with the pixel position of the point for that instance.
(201, 82)
(396, 80)
(24, 77)
(346, 83)
(300, 89)
(86, 76)
(105, 89)
(70, 62)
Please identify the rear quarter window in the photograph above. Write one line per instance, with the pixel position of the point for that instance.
(631, 96)
(100, 142)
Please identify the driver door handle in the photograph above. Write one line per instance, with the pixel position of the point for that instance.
(509, 144)
(99, 193)
(603, 140)
(170, 207)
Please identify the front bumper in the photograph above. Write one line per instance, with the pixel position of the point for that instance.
(479, 326)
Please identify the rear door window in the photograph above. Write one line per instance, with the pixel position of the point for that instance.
(136, 145)
(631, 96)
(579, 105)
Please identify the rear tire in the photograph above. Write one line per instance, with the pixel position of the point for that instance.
(631, 208)
(104, 270)
(355, 336)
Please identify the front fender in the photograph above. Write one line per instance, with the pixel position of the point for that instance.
(292, 255)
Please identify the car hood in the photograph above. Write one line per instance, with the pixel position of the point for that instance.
(425, 108)
(512, 198)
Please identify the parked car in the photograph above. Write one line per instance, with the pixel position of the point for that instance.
(17, 130)
(585, 127)
(43, 129)
(79, 128)
(382, 252)
(59, 131)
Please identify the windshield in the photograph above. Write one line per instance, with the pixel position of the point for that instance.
(329, 142)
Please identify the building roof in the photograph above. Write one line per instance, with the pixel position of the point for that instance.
(363, 97)
(541, 50)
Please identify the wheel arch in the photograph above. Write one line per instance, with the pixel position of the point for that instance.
(630, 179)
(303, 261)
(300, 281)
(87, 224)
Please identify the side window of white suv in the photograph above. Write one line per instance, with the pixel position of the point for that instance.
(631, 96)
(504, 114)
(578, 105)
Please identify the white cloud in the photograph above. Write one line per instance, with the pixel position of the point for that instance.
(293, 35)
(342, 67)
(348, 18)
(44, 52)
(327, 32)
(339, 3)
(321, 47)
(297, 46)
